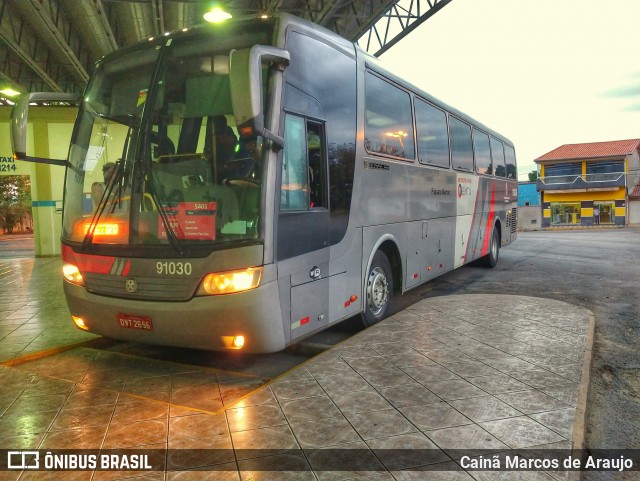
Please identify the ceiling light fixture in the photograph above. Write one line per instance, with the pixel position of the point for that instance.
(9, 92)
(216, 15)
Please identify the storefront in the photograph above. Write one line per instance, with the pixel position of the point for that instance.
(571, 213)
(586, 184)
(573, 209)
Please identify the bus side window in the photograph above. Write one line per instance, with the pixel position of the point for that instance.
(389, 119)
(317, 176)
(303, 183)
(461, 145)
(433, 138)
(497, 154)
(482, 152)
(510, 155)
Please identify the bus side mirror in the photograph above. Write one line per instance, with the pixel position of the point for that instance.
(19, 120)
(245, 75)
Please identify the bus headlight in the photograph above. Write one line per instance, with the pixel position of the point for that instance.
(72, 274)
(230, 282)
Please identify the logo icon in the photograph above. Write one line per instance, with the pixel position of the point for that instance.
(23, 460)
(131, 286)
(315, 273)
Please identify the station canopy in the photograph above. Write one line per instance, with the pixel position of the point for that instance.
(52, 45)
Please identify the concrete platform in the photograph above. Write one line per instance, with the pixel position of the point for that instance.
(404, 399)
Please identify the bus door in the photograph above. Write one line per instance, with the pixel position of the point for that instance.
(438, 247)
(303, 225)
(429, 250)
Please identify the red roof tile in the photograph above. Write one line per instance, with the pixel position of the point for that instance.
(635, 194)
(592, 150)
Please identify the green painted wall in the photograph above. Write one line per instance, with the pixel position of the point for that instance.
(48, 135)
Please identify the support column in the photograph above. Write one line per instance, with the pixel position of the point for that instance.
(47, 223)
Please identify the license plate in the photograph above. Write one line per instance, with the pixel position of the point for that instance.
(128, 321)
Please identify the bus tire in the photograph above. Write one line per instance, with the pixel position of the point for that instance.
(491, 259)
(378, 290)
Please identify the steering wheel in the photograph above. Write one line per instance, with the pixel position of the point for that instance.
(246, 182)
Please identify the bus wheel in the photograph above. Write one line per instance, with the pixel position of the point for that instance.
(491, 259)
(379, 290)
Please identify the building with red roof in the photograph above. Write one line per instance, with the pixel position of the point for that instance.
(590, 184)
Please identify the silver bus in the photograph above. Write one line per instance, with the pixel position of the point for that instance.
(265, 179)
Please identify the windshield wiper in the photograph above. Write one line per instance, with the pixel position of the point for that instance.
(123, 120)
(116, 178)
(171, 233)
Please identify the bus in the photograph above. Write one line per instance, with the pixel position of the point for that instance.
(268, 179)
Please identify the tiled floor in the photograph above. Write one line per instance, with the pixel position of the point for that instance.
(33, 312)
(474, 372)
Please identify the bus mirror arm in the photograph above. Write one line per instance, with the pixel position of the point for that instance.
(277, 141)
(245, 76)
(20, 117)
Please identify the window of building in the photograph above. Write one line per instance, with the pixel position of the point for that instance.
(482, 152)
(389, 120)
(570, 169)
(565, 213)
(461, 145)
(605, 167)
(433, 138)
(497, 154)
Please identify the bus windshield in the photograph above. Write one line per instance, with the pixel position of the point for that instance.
(155, 158)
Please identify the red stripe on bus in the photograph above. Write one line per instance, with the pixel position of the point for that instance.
(473, 216)
(88, 262)
(489, 226)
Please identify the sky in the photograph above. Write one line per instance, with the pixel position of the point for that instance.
(543, 73)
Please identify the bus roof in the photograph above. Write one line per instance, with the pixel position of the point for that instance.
(378, 66)
(283, 21)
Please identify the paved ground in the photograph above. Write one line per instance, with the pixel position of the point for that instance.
(595, 269)
(33, 312)
(591, 269)
(16, 246)
(450, 375)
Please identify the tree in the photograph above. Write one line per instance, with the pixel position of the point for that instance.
(533, 175)
(15, 200)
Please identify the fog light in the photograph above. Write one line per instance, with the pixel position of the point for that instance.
(80, 323)
(234, 343)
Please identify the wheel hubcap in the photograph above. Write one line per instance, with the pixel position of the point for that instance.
(377, 291)
(494, 247)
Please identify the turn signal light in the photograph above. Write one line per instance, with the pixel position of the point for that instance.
(230, 282)
(72, 274)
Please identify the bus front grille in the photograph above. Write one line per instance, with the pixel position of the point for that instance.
(142, 288)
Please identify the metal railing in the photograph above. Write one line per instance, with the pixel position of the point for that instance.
(582, 181)
(589, 178)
